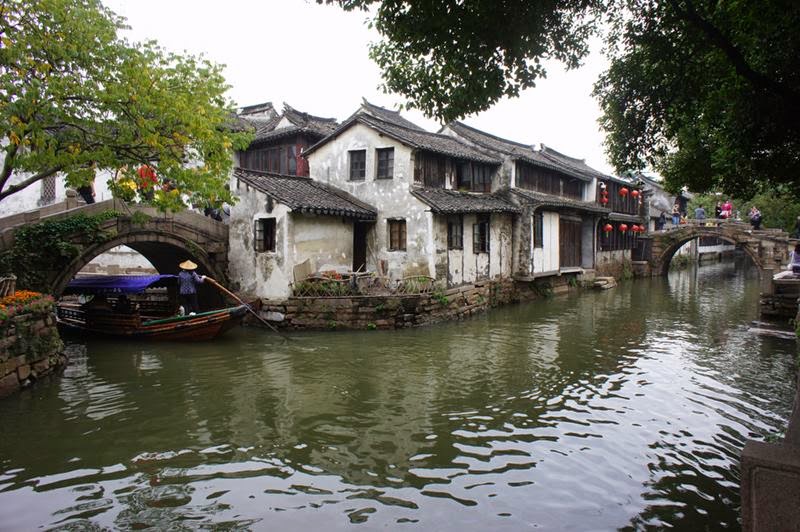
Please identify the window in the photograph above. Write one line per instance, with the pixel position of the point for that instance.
(480, 235)
(358, 165)
(615, 239)
(397, 235)
(455, 233)
(291, 160)
(538, 230)
(264, 234)
(385, 157)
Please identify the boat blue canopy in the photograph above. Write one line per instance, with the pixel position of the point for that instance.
(116, 284)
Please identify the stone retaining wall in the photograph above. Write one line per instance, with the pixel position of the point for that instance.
(401, 311)
(30, 348)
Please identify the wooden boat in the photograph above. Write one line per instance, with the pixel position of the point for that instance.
(149, 317)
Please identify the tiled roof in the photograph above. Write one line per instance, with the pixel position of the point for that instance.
(414, 138)
(573, 165)
(443, 201)
(622, 217)
(546, 200)
(302, 123)
(259, 109)
(515, 150)
(302, 194)
(387, 115)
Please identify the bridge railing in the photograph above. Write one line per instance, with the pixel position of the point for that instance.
(72, 206)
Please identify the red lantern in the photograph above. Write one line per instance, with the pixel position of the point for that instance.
(623, 227)
(604, 200)
(623, 192)
(635, 193)
(608, 228)
(642, 229)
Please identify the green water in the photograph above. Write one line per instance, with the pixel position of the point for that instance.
(623, 409)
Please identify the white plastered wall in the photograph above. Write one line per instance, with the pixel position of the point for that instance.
(330, 163)
(546, 258)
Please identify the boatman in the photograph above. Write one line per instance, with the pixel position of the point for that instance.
(187, 286)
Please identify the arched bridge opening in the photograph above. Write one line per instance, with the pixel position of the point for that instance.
(163, 250)
(164, 239)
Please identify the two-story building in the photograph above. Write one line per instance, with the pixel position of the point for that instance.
(556, 230)
(437, 213)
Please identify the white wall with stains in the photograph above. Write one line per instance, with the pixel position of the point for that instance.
(460, 266)
(330, 164)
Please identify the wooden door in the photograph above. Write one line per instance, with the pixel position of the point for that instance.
(569, 237)
(360, 246)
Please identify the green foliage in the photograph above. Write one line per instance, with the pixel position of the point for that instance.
(451, 59)
(440, 298)
(371, 326)
(779, 208)
(693, 92)
(332, 325)
(705, 92)
(51, 246)
(139, 218)
(75, 98)
(543, 287)
(680, 261)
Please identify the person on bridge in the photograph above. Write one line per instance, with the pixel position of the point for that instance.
(755, 218)
(676, 214)
(794, 260)
(727, 210)
(718, 210)
(699, 213)
(187, 283)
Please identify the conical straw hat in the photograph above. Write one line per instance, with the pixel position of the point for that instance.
(188, 265)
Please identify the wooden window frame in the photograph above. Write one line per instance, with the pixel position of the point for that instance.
(265, 235)
(384, 163)
(538, 230)
(480, 235)
(455, 232)
(397, 234)
(357, 172)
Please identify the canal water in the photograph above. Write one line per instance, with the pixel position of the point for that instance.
(624, 409)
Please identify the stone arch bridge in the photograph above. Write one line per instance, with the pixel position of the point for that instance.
(164, 239)
(769, 248)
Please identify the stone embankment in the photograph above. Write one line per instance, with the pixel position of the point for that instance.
(30, 348)
(402, 311)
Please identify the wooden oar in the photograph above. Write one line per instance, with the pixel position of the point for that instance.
(248, 307)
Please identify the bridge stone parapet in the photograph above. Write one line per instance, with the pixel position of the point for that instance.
(768, 248)
(164, 239)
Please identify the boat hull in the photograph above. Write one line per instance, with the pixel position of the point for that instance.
(203, 326)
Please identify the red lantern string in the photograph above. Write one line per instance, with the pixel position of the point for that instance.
(623, 227)
(623, 192)
(635, 193)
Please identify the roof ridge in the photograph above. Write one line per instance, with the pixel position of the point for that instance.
(545, 150)
(476, 130)
(307, 116)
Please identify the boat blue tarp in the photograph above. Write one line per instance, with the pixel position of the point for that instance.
(116, 284)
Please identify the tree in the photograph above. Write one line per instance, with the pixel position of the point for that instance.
(456, 57)
(705, 92)
(75, 98)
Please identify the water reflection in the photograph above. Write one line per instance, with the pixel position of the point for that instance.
(618, 409)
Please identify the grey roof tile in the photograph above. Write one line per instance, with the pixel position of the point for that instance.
(301, 123)
(302, 194)
(387, 115)
(443, 201)
(415, 138)
(546, 200)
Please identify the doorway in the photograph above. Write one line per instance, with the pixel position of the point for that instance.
(360, 246)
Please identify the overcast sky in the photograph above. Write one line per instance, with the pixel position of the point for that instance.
(314, 57)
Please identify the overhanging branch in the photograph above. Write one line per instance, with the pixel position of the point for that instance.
(25, 183)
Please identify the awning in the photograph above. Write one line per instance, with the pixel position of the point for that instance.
(116, 284)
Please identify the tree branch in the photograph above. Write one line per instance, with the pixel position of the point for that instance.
(8, 164)
(734, 55)
(28, 182)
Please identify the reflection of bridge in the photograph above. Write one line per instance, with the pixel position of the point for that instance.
(768, 248)
(163, 239)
